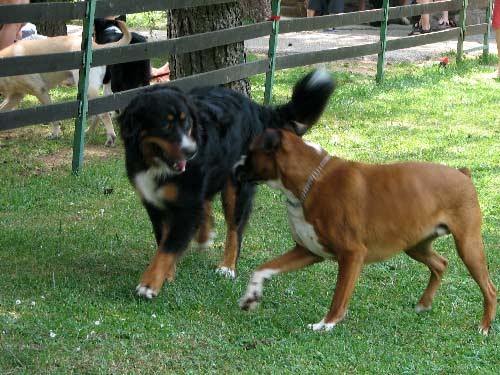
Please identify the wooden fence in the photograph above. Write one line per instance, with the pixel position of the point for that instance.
(83, 60)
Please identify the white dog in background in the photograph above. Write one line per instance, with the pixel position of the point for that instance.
(14, 88)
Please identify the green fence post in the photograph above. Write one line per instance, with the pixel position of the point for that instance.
(83, 84)
(271, 54)
(486, 40)
(383, 42)
(461, 37)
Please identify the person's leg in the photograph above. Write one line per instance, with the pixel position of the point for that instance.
(425, 19)
(314, 8)
(423, 25)
(362, 5)
(9, 33)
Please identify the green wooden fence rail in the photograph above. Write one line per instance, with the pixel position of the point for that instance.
(86, 58)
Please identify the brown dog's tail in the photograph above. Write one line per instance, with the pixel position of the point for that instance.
(465, 171)
(124, 40)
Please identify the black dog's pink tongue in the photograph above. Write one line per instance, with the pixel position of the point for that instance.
(181, 165)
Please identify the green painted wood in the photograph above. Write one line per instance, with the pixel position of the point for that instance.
(83, 84)
(273, 44)
(114, 55)
(383, 42)
(486, 39)
(462, 26)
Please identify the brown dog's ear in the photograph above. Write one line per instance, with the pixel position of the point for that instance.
(271, 141)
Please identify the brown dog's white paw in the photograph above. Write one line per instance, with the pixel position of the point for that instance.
(145, 291)
(226, 272)
(321, 326)
(484, 331)
(421, 308)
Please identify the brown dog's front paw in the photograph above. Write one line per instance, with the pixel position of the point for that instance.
(226, 272)
(145, 291)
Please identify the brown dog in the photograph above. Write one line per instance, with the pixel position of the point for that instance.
(14, 88)
(358, 213)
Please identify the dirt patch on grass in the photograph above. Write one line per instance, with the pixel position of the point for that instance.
(63, 157)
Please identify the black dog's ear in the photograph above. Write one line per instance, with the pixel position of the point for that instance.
(129, 121)
(271, 141)
(196, 130)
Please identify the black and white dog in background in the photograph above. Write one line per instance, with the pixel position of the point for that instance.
(123, 76)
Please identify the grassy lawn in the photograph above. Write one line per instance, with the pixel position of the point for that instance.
(71, 255)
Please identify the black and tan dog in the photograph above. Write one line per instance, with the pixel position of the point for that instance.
(180, 149)
(358, 213)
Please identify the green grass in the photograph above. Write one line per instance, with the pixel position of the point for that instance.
(71, 255)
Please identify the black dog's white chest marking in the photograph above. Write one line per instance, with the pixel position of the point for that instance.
(146, 183)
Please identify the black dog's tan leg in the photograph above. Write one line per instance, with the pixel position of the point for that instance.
(228, 265)
(350, 265)
(425, 254)
(205, 235)
(470, 248)
(297, 258)
(161, 268)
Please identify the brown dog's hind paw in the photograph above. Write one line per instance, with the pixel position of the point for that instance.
(484, 330)
(145, 291)
(321, 326)
(421, 308)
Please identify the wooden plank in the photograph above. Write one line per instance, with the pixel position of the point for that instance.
(417, 9)
(356, 18)
(480, 28)
(11, 66)
(418, 40)
(42, 12)
(38, 115)
(66, 110)
(185, 44)
(479, 4)
(216, 77)
(322, 22)
(59, 11)
(71, 60)
(316, 57)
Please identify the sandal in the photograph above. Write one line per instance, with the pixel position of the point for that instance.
(417, 30)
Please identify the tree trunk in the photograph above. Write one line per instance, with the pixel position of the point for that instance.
(182, 22)
(256, 10)
(51, 28)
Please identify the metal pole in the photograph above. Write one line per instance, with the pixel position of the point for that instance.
(461, 37)
(383, 42)
(83, 84)
(486, 40)
(271, 54)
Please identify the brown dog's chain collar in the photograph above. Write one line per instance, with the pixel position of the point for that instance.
(312, 178)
